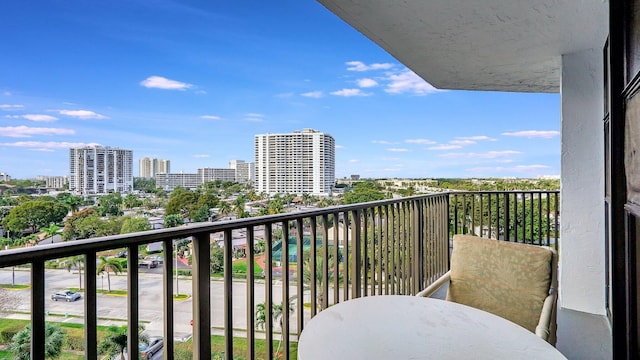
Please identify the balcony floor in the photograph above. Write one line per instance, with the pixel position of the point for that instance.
(583, 336)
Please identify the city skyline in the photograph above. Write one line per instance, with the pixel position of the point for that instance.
(194, 84)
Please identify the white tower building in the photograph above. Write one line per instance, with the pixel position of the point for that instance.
(295, 163)
(100, 170)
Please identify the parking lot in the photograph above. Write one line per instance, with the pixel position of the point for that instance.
(112, 310)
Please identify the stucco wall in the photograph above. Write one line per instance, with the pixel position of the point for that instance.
(582, 246)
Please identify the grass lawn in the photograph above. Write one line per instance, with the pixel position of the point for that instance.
(240, 347)
(14, 287)
(240, 267)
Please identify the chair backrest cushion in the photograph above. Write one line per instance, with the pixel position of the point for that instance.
(507, 279)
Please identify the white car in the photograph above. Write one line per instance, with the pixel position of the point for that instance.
(66, 295)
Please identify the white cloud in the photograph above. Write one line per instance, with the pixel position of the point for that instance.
(354, 161)
(461, 143)
(8, 107)
(398, 150)
(383, 142)
(210, 117)
(6, 93)
(339, 146)
(313, 94)
(201, 156)
(360, 66)
(25, 131)
(39, 117)
(420, 141)
(407, 81)
(545, 134)
(159, 82)
(476, 138)
(367, 83)
(487, 155)
(349, 93)
(445, 147)
(82, 114)
(42, 150)
(254, 117)
(48, 145)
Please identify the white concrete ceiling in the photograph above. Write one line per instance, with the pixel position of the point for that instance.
(503, 45)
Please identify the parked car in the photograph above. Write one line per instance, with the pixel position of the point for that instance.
(148, 263)
(66, 295)
(157, 258)
(155, 344)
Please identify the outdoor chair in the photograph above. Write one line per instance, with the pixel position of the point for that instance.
(515, 281)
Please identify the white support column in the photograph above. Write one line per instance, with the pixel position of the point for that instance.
(582, 244)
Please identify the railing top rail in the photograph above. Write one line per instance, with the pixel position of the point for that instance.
(77, 247)
(459, 192)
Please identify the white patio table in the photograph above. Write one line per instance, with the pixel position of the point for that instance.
(410, 327)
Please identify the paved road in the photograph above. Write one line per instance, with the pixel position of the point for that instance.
(113, 309)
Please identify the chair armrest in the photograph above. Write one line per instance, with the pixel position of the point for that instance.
(546, 324)
(436, 285)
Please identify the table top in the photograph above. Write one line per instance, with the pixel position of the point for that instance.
(411, 327)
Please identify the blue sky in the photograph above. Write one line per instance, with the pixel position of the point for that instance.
(194, 83)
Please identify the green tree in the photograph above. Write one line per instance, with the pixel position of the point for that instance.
(72, 202)
(86, 224)
(364, 191)
(180, 202)
(71, 230)
(307, 273)
(224, 208)
(173, 220)
(110, 205)
(216, 257)
(109, 265)
(131, 201)
(277, 312)
(201, 215)
(115, 343)
(238, 207)
(144, 184)
(20, 345)
(50, 230)
(131, 224)
(33, 215)
(76, 261)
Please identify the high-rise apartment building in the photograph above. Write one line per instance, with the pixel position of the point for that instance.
(245, 171)
(168, 182)
(54, 182)
(100, 170)
(238, 171)
(212, 174)
(149, 167)
(302, 162)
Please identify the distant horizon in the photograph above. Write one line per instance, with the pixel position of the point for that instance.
(541, 177)
(194, 83)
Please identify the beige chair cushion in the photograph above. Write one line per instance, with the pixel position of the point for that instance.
(507, 279)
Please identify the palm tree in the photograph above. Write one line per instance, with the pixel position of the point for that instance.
(77, 261)
(277, 315)
(20, 345)
(238, 207)
(307, 271)
(224, 208)
(108, 265)
(115, 343)
(50, 230)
